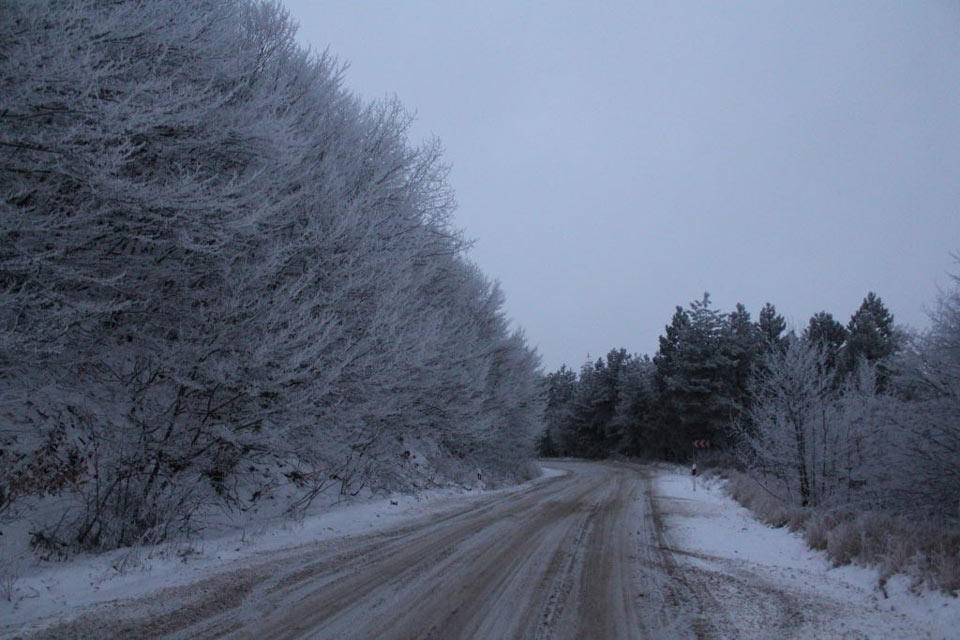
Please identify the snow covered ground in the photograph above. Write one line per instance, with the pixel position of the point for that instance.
(712, 534)
(42, 595)
(702, 567)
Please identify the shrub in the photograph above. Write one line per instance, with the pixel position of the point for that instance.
(844, 543)
(892, 543)
(768, 508)
(815, 533)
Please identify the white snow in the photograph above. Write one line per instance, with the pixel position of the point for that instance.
(56, 591)
(705, 528)
(714, 532)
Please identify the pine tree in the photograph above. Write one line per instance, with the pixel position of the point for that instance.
(585, 433)
(592, 431)
(872, 337)
(561, 386)
(670, 345)
(771, 326)
(667, 362)
(634, 417)
(827, 333)
(743, 346)
(871, 330)
(693, 376)
(708, 364)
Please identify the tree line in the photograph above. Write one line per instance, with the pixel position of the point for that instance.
(224, 277)
(861, 413)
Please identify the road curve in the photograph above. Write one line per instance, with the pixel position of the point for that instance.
(574, 556)
(583, 555)
(555, 560)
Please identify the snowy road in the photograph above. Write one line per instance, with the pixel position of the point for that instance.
(589, 554)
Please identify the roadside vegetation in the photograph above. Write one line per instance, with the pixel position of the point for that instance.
(226, 284)
(848, 433)
(928, 552)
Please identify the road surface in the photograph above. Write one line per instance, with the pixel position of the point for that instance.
(582, 555)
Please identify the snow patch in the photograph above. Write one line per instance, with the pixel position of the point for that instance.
(47, 593)
(712, 531)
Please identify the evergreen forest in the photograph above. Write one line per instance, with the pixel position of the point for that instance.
(855, 414)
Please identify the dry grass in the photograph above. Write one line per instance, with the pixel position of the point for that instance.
(845, 543)
(927, 552)
(768, 509)
(8, 583)
(11, 569)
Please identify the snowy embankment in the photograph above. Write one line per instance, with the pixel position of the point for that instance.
(43, 594)
(734, 576)
(710, 532)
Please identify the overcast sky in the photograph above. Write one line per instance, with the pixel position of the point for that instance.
(615, 159)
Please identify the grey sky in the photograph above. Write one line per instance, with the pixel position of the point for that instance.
(613, 160)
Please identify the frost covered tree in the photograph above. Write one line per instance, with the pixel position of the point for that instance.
(923, 414)
(221, 273)
(809, 441)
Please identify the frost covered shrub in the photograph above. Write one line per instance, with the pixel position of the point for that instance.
(798, 519)
(873, 449)
(844, 542)
(942, 567)
(815, 532)
(768, 508)
(932, 556)
(220, 271)
(879, 535)
(930, 553)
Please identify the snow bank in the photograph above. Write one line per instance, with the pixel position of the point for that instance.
(47, 592)
(712, 530)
